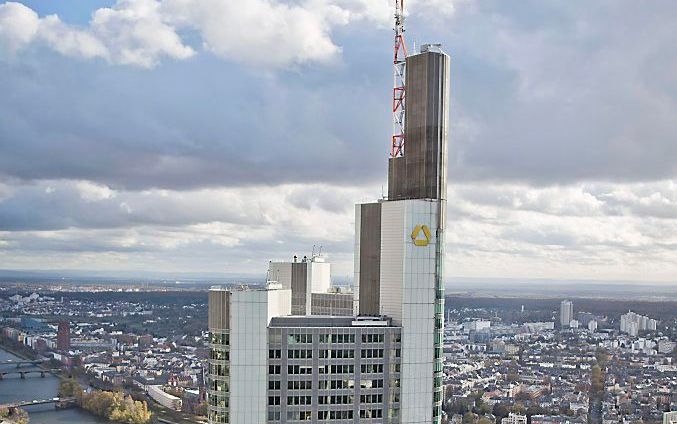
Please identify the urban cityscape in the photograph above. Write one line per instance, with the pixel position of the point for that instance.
(484, 296)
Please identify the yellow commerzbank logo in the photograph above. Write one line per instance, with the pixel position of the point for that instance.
(416, 235)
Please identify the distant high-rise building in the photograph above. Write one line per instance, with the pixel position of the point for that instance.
(63, 336)
(632, 323)
(566, 313)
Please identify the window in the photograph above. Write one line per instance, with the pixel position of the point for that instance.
(274, 369)
(274, 354)
(274, 385)
(273, 400)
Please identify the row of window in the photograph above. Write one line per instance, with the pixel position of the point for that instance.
(372, 338)
(327, 415)
(299, 400)
(376, 398)
(371, 413)
(334, 415)
(324, 400)
(337, 384)
(371, 353)
(335, 400)
(218, 385)
(299, 385)
(299, 338)
(219, 338)
(299, 369)
(337, 353)
(337, 338)
(219, 354)
(218, 370)
(307, 369)
(323, 384)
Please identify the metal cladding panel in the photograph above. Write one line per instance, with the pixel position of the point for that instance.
(280, 272)
(421, 173)
(356, 260)
(368, 288)
(393, 243)
(299, 288)
(219, 310)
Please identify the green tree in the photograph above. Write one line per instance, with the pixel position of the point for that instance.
(468, 418)
(500, 410)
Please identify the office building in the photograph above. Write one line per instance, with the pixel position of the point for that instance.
(290, 352)
(566, 313)
(63, 336)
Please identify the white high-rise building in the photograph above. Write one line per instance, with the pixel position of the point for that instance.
(632, 323)
(273, 361)
(566, 313)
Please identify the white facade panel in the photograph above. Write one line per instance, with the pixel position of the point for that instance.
(251, 311)
(392, 271)
(408, 296)
(356, 260)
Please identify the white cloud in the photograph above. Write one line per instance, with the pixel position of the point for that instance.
(18, 26)
(142, 32)
(91, 192)
(578, 231)
(136, 33)
(132, 32)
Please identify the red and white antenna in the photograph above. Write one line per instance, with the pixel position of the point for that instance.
(400, 64)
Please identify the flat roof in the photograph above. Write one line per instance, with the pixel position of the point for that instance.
(315, 321)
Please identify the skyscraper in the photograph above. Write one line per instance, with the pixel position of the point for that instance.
(399, 241)
(63, 336)
(273, 361)
(566, 313)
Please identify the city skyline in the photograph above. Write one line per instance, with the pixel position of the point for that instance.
(129, 162)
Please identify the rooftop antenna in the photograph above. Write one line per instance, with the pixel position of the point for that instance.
(399, 65)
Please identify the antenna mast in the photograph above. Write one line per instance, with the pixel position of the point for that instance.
(399, 64)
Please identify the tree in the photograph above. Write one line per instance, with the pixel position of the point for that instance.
(468, 418)
(500, 411)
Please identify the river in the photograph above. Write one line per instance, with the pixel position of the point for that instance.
(12, 389)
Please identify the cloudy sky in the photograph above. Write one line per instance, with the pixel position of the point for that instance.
(211, 136)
